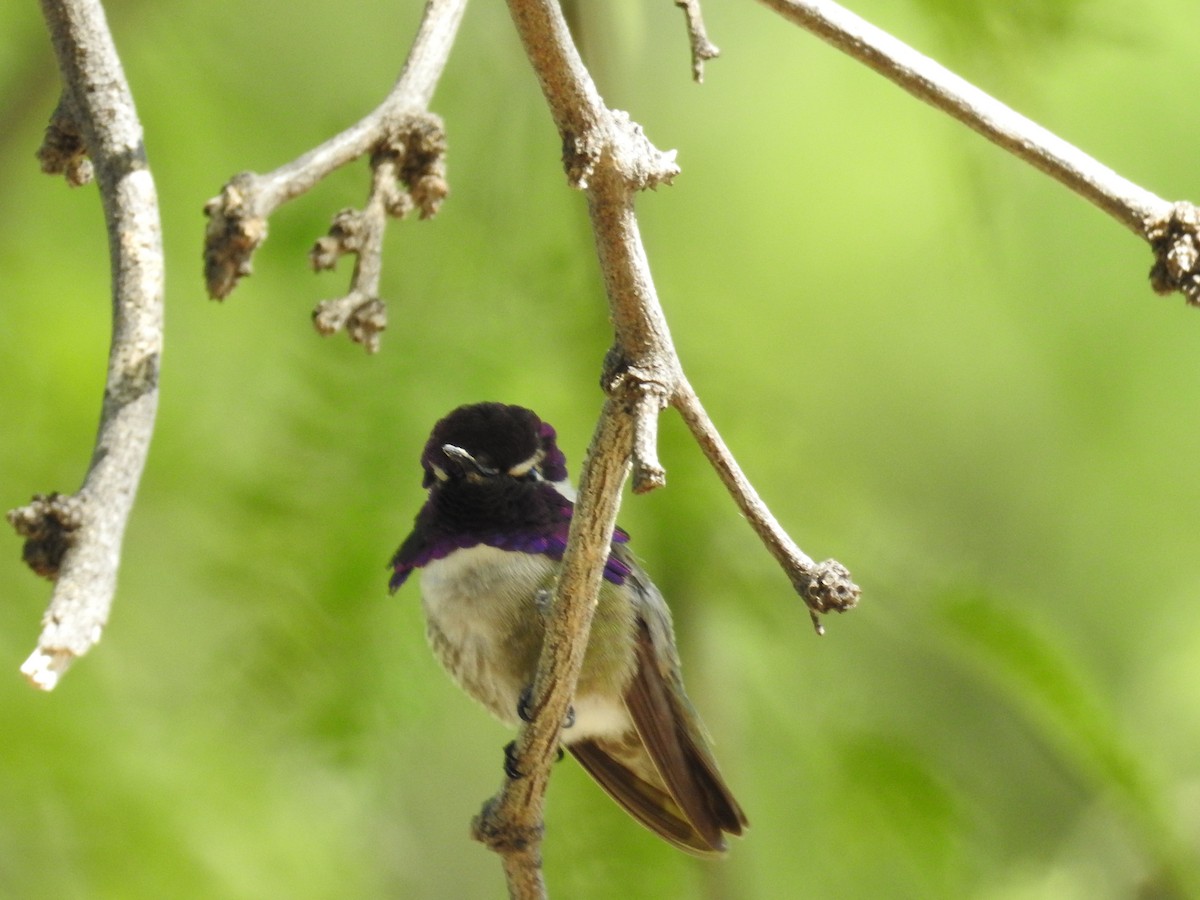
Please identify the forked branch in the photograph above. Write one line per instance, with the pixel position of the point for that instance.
(407, 147)
(75, 540)
(608, 156)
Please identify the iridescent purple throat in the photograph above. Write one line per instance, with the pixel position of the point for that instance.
(552, 545)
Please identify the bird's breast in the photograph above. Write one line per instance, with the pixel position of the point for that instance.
(485, 619)
(483, 622)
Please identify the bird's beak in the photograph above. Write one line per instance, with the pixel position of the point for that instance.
(467, 461)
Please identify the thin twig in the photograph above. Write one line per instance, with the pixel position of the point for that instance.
(648, 472)
(407, 144)
(826, 586)
(927, 80)
(702, 48)
(76, 540)
(1172, 229)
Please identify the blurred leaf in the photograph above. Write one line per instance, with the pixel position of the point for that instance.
(1038, 679)
(1034, 22)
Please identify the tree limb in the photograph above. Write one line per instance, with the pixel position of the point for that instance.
(76, 540)
(407, 146)
(608, 156)
(1171, 229)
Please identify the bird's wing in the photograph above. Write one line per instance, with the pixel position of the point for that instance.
(665, 775)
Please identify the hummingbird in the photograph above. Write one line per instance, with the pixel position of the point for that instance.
(489, 542)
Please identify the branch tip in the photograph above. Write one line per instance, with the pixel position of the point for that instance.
(43, 668)
(1175, 241)
(363, 318)
(648, 472)
(345, 235)
(648, 477)
(235, 230)
(418, 148)
(702, 48)
(827, 587)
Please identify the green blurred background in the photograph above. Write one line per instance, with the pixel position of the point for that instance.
(935, 364)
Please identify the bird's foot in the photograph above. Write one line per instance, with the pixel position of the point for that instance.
(510, 760)
(525, 711)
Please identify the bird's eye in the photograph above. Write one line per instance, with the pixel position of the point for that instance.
(525, 473)
(529, 469)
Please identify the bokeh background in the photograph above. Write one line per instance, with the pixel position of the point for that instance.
(936, 365)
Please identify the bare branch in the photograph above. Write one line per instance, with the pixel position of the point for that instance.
(76, 540)
(925, 79)
(825, 587)
(1175, 239)
(609, 157)
(702, 48)
(415, 157)
(407, 147)
(1171, 231)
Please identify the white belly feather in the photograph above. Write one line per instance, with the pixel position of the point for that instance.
(484, 624)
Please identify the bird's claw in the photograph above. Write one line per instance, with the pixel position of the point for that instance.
(510, 761)
(525, 708)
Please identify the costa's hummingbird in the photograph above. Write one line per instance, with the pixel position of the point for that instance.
(489, 541)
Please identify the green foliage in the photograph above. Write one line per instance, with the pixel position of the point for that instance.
(1029, 20)
(934, 364)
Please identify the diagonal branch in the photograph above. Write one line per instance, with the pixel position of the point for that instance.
(1171, 229)
(826, 586)
(511, 822)
(76, 540)
(407, 147)
(607, 155)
